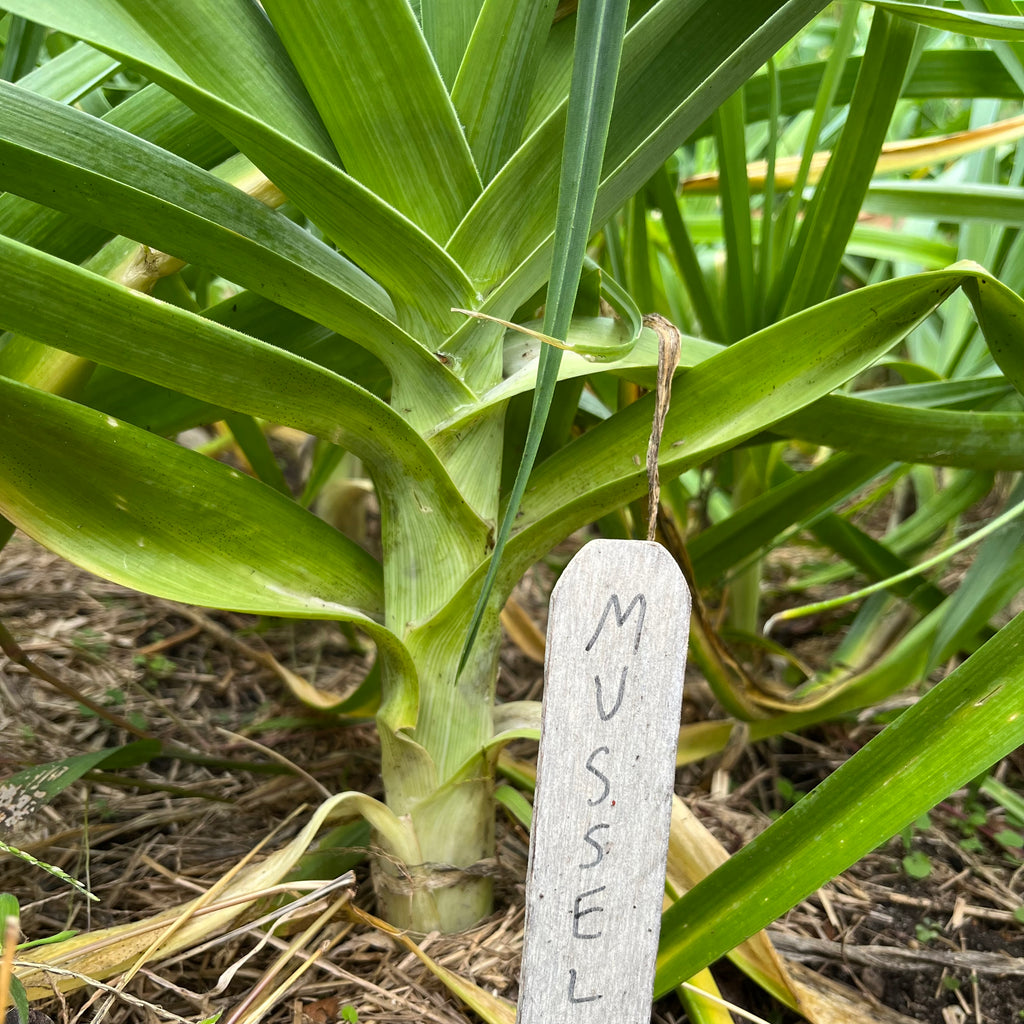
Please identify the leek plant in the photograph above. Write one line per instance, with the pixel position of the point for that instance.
(358, 172)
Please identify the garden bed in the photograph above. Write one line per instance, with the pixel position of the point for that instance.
(945, 947)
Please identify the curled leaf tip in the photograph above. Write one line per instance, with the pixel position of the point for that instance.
(970, 267)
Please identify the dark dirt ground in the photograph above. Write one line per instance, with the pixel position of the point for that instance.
(943, 949)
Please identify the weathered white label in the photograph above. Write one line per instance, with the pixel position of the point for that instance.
(616, 652)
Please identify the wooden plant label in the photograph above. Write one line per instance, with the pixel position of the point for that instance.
(616, 651)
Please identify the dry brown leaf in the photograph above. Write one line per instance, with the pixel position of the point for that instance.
(523, 631)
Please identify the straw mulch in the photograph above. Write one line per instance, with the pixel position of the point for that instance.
(158, 834)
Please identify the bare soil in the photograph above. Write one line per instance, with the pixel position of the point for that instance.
(944, 948)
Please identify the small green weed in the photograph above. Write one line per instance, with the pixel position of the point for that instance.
(156, 664)
(90, 642)
(1011, 841)
(154, 668)
(788, 791)
(916, 863)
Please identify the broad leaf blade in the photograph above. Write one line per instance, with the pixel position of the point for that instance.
(940, 200)
(980, 24)
(201, 358)
(144, 512)
(940, 437)
(384, 103)
(668, 85)
(185, 39)
(26, 791)
(169, 412)
(961, 727)
(71, 74)
(207, 361)
(447, 26)
(21, 48)
(729, 397)
(151, 114)
(299, 160)
(85, 166)
(730, 143)
(58, 155)
(495, 82)
(815, 258)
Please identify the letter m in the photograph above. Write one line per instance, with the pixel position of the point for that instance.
(615, 608)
